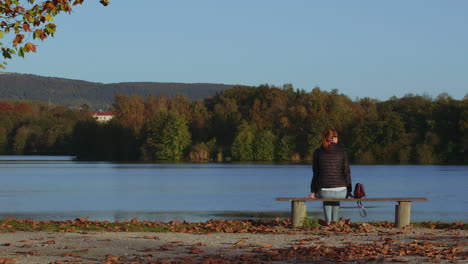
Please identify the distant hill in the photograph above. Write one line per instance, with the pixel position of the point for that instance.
(15, 86)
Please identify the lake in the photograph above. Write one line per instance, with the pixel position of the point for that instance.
(59, 188)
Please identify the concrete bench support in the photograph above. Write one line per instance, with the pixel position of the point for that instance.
(298, 213)
(402, 214)
(402, 209)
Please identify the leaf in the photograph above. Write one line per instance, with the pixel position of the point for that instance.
(18, 39)
(29, 253)
(49, 5)
(30, 47)
(37, 33)
(111, 258)
(2, 34)
(104, 2)
(195, 250)
(48, 17)
(149, 250)
(151, 237)
(26, 27)
(50, 28)
(8, 260)
(240, 242)
(21, 52)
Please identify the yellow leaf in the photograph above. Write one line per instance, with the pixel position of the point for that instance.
(240, 242)
(48, 17)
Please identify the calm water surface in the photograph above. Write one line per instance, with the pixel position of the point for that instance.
(59, 188)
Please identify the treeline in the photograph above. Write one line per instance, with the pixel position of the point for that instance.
(244, 123)
(37, 128)
(268, 123)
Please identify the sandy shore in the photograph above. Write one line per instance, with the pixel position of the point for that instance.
(374, 245)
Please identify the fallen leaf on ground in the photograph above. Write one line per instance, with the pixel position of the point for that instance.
(151, 237)
(240, 242)
(195, 250)
(8, 260)
(82, 250)
(29, 253)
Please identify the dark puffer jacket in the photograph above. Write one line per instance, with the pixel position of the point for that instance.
(331, 169)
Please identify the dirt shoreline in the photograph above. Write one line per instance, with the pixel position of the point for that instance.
(372, 245)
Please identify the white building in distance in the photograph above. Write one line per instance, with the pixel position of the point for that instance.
(103, 116)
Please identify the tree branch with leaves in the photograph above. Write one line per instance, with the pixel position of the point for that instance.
(29, 21)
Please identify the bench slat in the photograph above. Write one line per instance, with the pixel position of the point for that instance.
(412, 199)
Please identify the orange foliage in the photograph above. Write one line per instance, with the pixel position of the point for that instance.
(5, 107)
(23, 107)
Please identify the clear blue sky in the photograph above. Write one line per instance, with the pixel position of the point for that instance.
(363, 48)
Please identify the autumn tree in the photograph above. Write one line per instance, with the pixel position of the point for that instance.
(180, 103)
(225, 120)
(199, 121)
(20, 140)
(130, 111)
(27, 21)
(266, 123)
(155, 105)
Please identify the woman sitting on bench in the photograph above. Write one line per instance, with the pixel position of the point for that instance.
(332, 178)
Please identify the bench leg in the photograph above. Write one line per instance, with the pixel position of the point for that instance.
(298, 213)
(402, 214)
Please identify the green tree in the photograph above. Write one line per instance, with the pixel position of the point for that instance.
(263, 146)
(425, 154)
(463, 127)
(85, 140)
(3, 140)
(120, 142)
(286, 148)
(30, 19)
(242, 148)
(167, 137)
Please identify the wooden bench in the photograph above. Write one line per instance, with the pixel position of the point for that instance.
(402, 209)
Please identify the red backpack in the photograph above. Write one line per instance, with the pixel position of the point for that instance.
(359, 191)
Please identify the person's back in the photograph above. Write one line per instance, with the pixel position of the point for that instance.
(332, 178)
(332, 167)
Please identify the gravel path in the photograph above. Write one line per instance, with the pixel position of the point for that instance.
(134, 247)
